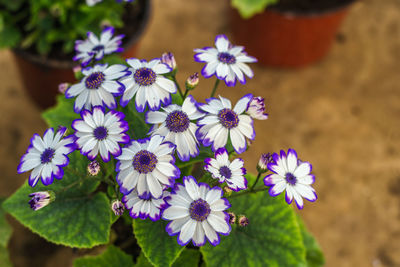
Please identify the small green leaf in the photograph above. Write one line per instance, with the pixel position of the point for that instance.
(9, 36)
(272, 238)
(77, 217)
(113, 256)
(188, 258)
(248, 8)
(158, 247)
(314, 255)
(61, 114)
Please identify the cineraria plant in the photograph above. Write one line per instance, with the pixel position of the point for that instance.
(45, 26)
(163, 164)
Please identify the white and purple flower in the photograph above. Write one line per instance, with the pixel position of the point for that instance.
(145, 207)
(95, 48)
(100, 132)
(226, 62)
(98, 87)
(197, 213)
(293, 175)
(147, 165)
(174, 123)
(225, 171)
(148, 84)
(221, 120)
(46, 157)
(256, 109)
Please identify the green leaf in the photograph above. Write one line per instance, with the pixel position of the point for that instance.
(159, 248)
(314, 255)
(272, 238)
(248, 8)
(5, 235)
(188, 258)
(138, 128)
(5, 228)
(77, 218)
(61, 114)
(113, 256)
(9, 36)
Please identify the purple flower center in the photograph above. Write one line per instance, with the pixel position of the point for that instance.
(177, 121)
(228, 118)
(47, 155)
(199, 210)
(227, 58)
(144, 161)
(226, 172)
(100, 133)
(290, 178)
(94, 80)
(98, 48)
(145, 76)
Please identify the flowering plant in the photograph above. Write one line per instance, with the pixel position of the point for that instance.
(42, 26)
(165, 165)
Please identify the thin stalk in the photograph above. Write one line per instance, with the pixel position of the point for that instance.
(215, 87)
(258, 178)
(177, 86)
(255, 190)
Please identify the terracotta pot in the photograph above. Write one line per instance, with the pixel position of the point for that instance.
(41, 76)
(286, 39)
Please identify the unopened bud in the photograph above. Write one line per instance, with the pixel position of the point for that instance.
(232, 217)
(117, 207)
(41, 199)
(62, 87)
(256, 109)
(262, 165)
(192, 81)
(169, 59)
(93, 168)
(77, 69)
(243, 221)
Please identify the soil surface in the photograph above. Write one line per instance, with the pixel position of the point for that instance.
(341, 114)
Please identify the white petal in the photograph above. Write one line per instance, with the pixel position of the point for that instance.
(302, 170)
(175, 212)
(187, 231)
(217, 221)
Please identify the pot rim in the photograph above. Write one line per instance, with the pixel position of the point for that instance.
(69, 64)
(311, 13)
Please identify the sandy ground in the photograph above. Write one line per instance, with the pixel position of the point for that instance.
(341, 114)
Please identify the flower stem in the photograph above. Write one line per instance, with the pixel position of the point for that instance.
(255, 190)
(215, 87)
(258, 178)
(177, 86)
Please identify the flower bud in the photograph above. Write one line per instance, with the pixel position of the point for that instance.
(243, 221)
(62, 87)
(256, 109)
(262, 165)
(169, 59)
(93, 168)
(232, 217)
(41, 199)
(77, 69)
(117, 207)
(192, 81)
(227, 190)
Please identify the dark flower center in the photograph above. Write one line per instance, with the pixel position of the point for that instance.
(228, 118)
(47, 155)
(199, 210)
(290, 178)
(145, 76)
(94, 80)
(100, 133)
(98, 48)
(144, 161)
(177, 121)
(227, 58)
(226, 172)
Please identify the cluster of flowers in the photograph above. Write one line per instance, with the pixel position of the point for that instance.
(146, 168)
